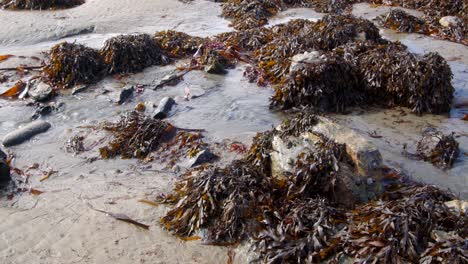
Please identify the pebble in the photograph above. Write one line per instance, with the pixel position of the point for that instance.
(164, 107)
(22, 134)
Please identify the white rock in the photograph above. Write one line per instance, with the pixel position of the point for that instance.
(304, 58)
(458, 206)
(449, 21)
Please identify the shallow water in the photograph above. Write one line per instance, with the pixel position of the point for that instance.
(53, 226)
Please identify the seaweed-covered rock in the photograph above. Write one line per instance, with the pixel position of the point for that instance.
(400, 20)
(132, 53)
(329, 84)
(70, 64)
(324, 158)
(422, 83)
(178, 44)
(249, 39)
(437, 148)
(39, 4)
(250, 13)
(135, 136)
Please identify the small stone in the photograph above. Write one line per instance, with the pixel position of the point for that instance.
(79, 89)
(40, 91)
(202, 157)
(164, 107)
(42, 110)
(450, 21)
(216, 68)
(22, 134)
(304, 58)
(125, 94)
(169, 80)
(176, 169)
(4, 168)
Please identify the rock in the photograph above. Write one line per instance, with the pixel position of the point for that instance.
(458, 206)
(358, 184)
(215, 68)
(4, 168)
(125, 94)
(79, 89)
(169, 80)
(164, 107)
(40, 91)
(22, 134)
(365, 155)
(42, 110)
(304, 58)
(202, 157)
(450, 21)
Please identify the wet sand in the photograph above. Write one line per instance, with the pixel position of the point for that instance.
(59, 226)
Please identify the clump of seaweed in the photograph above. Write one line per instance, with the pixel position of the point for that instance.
(422, 83)
(135, 136)
(259, 152)
(39, 4)
(330, 85)
(398, 230)
(178, 44)
(439, 149)
(250, 39)
(132, 53)
(247, 14)
(299, 36)
(223, 202)
(305, 233)
(71, 64)
(401, 21)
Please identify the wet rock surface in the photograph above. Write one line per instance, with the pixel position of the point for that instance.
(40, 91)
(25, 133)
(4, 168)
(164, 107)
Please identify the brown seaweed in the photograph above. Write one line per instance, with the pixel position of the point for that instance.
(178, 44)
(71, 64)
(439, 149)
(135, 136)
(401, 21)
(132, 53)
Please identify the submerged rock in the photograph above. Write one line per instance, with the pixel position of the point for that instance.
(164, 107)
(22, 134)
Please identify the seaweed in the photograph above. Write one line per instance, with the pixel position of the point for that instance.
(132, 53)
(422, 83)
(135, 136)
(401, 21)
(398, 230)
(304, 234)
(70, 64)
(224, 203)
(330, 85)
(39, 4)
(250, 14)
(259, 152)
(178, 44)
(439, 149)
(249, 39)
